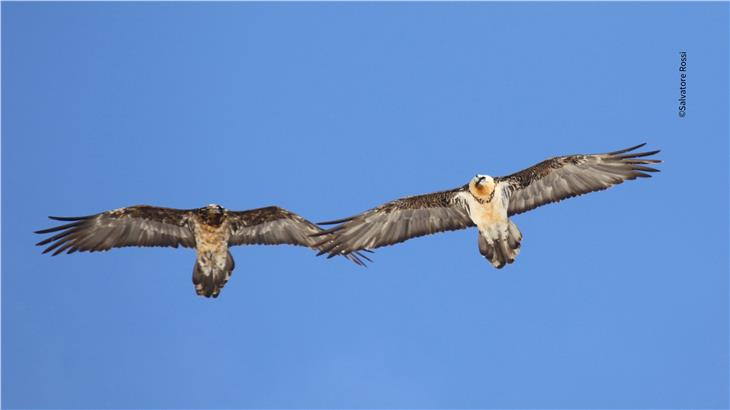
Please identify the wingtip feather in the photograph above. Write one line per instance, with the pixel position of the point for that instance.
(69, 218)
(621, 151)
(636, 155)
(336, 221)
(58, 228)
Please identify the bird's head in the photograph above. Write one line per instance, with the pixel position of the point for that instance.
(213, 214)
(215, 209)
(481, 186)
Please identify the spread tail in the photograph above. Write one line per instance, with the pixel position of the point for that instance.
(209, 277)
(500, 244)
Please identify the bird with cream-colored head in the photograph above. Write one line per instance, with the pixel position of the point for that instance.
(482, 186)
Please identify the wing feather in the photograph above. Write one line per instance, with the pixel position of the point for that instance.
(398, 221)
(140, 225)
(273, 226)
(564, 177)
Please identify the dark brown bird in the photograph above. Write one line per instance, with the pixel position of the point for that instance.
(210, 230)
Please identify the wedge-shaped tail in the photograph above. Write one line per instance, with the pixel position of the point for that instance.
(500, 244)
(211, 275)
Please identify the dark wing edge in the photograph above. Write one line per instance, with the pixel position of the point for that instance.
(277, 226)
(568, 176)
(397, 221)
(140, 225)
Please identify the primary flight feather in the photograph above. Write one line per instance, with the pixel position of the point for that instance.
(487, 203)
(210, 230)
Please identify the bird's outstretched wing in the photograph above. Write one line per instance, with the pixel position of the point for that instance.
(398, 221)
(274, 226)
(140, 225)
(559, 178)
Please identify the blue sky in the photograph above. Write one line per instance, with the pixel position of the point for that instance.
(618, 300)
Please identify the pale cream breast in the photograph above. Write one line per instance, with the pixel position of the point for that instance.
(490, 213)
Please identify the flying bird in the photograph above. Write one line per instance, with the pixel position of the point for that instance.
(210, 230)
(487, 203)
